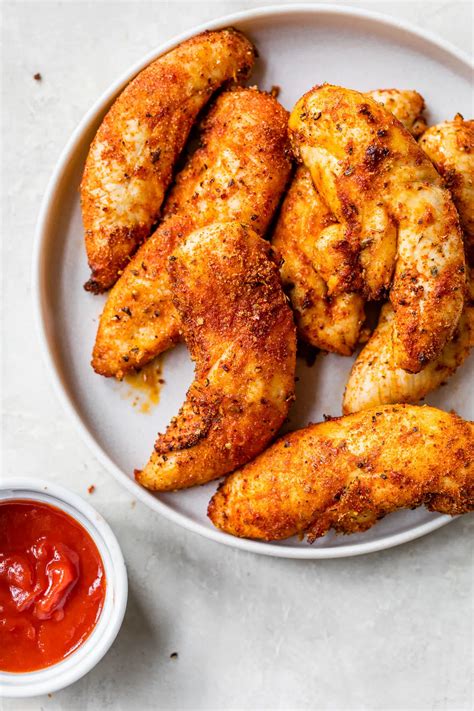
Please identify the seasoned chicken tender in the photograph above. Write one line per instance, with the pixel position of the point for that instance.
(376, 380)
(429, 283)
(450, 145)
(329, 322)
(406, 105)
(375, 377)
(131, 158)
(348, 473)
(240, 332)
(395, 211)
(239, 173)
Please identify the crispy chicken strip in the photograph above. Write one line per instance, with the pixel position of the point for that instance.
(131, 158)
(376, 380)
(380, 185)
(239, 173)
(348, 473)
(450, 145)
(331, 323)
(406, 105)
(375, 377)
(240, 332)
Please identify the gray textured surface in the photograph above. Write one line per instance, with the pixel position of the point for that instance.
(387, 631)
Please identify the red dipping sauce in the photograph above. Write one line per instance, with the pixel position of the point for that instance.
(52, 585)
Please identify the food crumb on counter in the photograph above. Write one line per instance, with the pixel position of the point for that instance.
(37, 76)
(91, 489)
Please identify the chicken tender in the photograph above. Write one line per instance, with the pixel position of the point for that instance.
(348, 473)
(375, 377)
(239, 173)
(331, 323)
(131, 158)
(450, 145)
(240, 332)
(376, 380)
(396, 213)
(406, 105)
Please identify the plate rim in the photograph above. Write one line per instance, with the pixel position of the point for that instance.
(39, 272)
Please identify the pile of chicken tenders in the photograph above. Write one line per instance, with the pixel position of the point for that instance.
(282, 227)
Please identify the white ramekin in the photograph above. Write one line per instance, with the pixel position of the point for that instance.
(81, 661)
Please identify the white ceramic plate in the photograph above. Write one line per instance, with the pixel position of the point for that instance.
(299, 46)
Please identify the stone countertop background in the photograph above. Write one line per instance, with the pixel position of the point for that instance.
(391, 630)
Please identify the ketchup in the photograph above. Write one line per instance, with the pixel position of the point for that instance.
(52, 585)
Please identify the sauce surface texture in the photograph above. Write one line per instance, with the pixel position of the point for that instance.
(52, 585)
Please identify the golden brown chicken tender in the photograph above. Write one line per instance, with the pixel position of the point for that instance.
(239, 173)
(329, 322)
(450, 145)
(131, 158)
(390, 199)
(349, 472)
(240, 332)
(406, 105)
(375, 377)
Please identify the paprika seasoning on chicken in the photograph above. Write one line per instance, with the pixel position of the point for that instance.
(52, 585)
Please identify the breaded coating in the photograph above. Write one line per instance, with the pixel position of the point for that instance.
(375, 377)
(376, 380)
(131, 158)
(380, 185)
(406, 105)
(240, 332)
(450, 145)
(331, 323)
(348, 473)
(239, 173)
